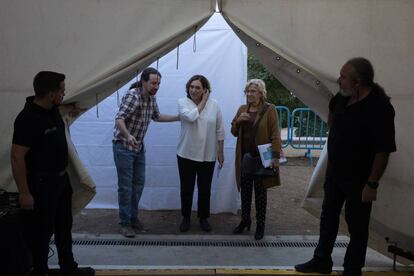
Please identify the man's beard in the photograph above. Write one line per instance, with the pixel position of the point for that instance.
(153, 92)
(345, 93)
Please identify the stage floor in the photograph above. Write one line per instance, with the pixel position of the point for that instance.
(206, 254)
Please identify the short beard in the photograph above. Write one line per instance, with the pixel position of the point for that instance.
(151, 93)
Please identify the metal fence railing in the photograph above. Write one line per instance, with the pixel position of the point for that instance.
(284, 124)
(302, 129)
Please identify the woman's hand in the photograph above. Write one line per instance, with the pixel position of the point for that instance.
(244, 116)
(274, 163)
(220, 159)
(206, 95)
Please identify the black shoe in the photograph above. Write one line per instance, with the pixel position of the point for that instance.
(81, 271)
(259, 233)
(243, 224)
(315, 265)
(185, 224)
(352, 272)
(205, 225)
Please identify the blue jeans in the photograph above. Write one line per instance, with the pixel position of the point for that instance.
(130, 166)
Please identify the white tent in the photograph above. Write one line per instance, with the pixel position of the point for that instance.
(217, 53)
(100, 45)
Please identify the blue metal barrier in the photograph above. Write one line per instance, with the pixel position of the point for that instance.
(307, 130)
(284, 123)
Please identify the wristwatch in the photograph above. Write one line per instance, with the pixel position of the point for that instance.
(373, 184)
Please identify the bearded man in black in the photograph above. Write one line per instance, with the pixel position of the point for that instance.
(361, 137)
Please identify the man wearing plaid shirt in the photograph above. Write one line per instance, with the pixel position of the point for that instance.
(137, 109)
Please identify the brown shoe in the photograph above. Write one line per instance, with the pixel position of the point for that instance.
(127, 231)
(138, 226)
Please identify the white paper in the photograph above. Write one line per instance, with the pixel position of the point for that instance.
(265, 152)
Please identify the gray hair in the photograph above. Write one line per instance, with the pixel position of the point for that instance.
(260, 84)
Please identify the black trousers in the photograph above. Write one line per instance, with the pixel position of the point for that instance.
(260, 199)
(357, 215)
(189, 170)
(52, 214)
(15, 257)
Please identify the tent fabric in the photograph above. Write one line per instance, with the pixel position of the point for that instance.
(82, 184)
(300, 82)
(200, 54)
(101, 44)
(318, 36)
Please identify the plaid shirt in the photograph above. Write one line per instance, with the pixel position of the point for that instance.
(137, 112)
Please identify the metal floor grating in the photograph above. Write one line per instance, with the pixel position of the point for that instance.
(204, 243)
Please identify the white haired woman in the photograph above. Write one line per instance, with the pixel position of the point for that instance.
(255, 123)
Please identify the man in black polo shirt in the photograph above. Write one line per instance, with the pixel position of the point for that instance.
(39, 157)
(361, 137)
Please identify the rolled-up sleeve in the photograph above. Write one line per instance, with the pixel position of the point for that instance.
(127, 105)
(156, 112)
(219, 125)
(186, 112)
